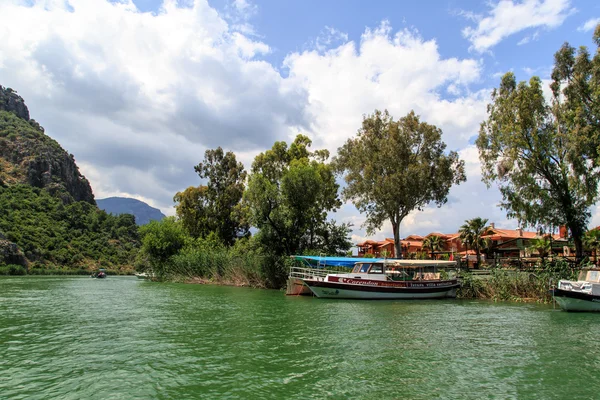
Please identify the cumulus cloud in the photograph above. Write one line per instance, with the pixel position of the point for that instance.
(138, 97)
(508, 17)
(589, 25)
(132, 92)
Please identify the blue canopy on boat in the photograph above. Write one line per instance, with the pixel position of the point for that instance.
(322, 262)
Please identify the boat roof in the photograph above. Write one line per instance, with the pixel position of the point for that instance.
(322, 261)
(349, 262)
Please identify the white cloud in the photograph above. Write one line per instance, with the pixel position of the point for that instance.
(138, 97)
(589, 25)
(399, 72)
(508, 17)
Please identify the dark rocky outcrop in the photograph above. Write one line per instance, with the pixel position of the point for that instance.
(10, 101)
(10, 253)
(29, 156)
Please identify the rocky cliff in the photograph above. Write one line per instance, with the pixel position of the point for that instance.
(29, 156)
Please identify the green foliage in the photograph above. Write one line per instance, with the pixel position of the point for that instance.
(218, 203)
(471, 233)
(542, 246)
(433, 243)
(76, 235)
(161, 240)
(545, 156)
(503, 285)
(12, 269)
(289, 194)
(591, 240)
(394, 167)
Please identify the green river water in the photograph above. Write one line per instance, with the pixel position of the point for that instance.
(122, 338)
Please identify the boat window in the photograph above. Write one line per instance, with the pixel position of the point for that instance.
(376, 269)
(364, 268)
(356, 268)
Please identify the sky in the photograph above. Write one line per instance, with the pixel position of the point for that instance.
(137, 90)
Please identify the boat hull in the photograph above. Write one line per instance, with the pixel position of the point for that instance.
(382, 291)
(576, 301)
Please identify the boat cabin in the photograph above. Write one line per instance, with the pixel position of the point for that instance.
(397, 271)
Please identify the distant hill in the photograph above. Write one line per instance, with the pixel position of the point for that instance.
(122, 205)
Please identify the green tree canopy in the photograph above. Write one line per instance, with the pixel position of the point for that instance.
(394, 167)
(215, 207)
(289, 194)
(543, 156)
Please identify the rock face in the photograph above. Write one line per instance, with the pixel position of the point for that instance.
(121, 205)
(10, 253)
(29, 156)
(12, 102)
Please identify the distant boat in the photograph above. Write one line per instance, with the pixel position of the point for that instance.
(380, 279)
(580, 295)
(100, 274)
(142, 275)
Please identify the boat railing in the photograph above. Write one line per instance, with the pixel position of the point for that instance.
(308, 273)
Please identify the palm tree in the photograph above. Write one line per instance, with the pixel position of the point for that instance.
(471, 232)
(591, 240)
(466, 238)
(434, 243)
(542, 246)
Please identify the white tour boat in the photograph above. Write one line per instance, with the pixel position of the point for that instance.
(382, 279)
(580, 295)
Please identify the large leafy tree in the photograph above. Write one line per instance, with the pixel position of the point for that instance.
(192, 209)
(544, 156)
(394, 167)
(289, 194)
(215, 207)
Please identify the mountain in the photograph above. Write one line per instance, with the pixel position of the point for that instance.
(29, 156)
(49, 219)
(122, 205)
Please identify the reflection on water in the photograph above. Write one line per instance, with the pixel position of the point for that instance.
(122, 338)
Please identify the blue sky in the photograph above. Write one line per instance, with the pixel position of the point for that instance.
(137, 90)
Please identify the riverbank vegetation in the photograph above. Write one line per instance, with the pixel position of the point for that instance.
(503, 284)
(53, 236)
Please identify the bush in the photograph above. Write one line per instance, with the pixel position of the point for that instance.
(12, 269)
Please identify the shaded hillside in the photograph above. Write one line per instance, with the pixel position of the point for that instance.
(52, 234)
(121, 205)
(29, 156)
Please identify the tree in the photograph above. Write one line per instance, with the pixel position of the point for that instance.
(394, 167)
(215, 207)
(466, 238)
(192, 209)
(592, 242)
(471, 233)
(433, 243)
(543, 156)
(542, 246)
(289, 194)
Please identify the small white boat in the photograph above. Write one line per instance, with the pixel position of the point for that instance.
(385, 279)
(580, 295)
(142, 275)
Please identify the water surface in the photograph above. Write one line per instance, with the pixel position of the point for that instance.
(122, 338)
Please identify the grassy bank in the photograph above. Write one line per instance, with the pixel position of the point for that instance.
(515, 285)
(223, 266)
